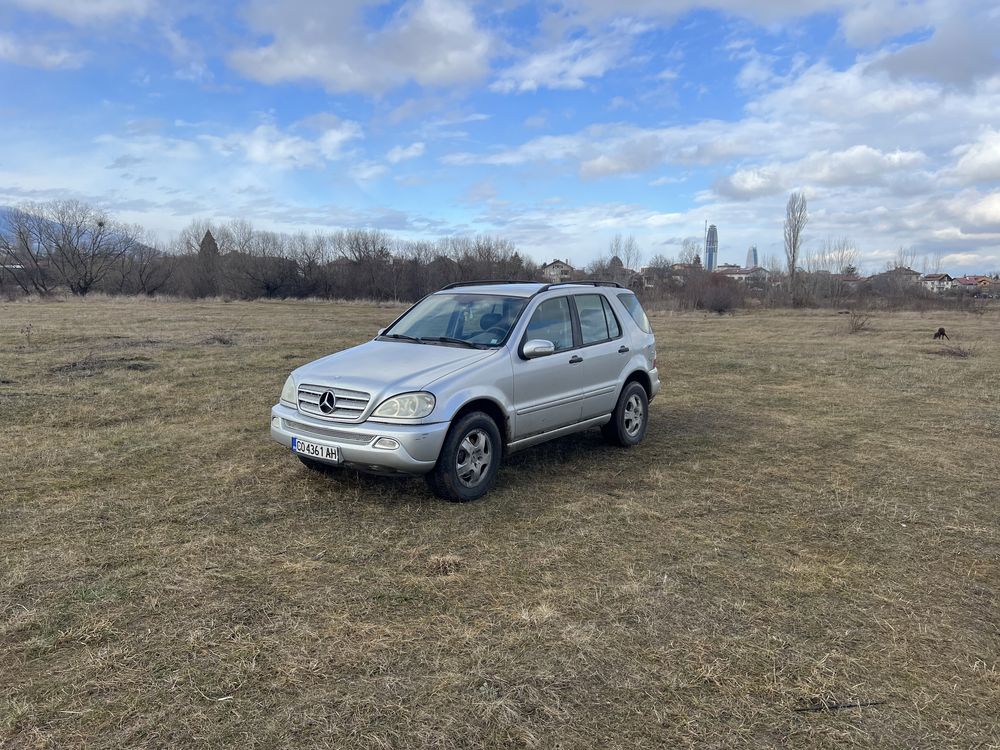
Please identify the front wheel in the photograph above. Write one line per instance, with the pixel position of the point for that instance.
(469, 460)
(628, 422)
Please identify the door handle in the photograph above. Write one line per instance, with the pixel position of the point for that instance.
(575, 359)
(622, 349)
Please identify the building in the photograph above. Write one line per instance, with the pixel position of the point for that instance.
(973, 282)
(557, 271)
(937, 282)
(711, 247)
(900, 274)
(850, 280)
(755, 275)
(752, 260)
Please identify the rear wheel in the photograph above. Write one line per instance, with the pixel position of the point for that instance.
(470, 458)
(628, 422)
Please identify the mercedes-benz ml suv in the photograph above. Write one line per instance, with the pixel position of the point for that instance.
(471, 373)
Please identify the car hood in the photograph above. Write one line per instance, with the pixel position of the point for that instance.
(385, 368)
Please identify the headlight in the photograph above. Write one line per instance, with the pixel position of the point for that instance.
(406, 406)
(288, 391)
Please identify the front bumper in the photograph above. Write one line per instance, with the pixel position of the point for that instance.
(419, 445)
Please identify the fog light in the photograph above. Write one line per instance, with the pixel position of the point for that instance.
(387, 444)
(275, 422)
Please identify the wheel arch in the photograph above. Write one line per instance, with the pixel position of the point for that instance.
(488, 406)
(642, 378)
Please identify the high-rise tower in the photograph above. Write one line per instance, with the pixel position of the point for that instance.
(752, 260)
(711, 248)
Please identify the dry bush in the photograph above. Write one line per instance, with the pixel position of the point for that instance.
(858, 322)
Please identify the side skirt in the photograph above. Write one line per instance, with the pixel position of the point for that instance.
(552, 434)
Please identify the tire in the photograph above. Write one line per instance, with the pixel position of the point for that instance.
(630, 417)
(318, 466)
(469, 461)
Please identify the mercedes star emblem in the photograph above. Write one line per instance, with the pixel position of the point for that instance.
(328, 402)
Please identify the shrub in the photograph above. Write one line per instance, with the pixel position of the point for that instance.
(858, 322)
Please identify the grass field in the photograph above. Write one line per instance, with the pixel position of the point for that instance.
(812, 520)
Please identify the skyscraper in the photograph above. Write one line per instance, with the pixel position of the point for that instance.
(711, 248)
(752, 260)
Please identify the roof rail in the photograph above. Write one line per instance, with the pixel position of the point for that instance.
(544, 288)
(582, 282)
(455, 284)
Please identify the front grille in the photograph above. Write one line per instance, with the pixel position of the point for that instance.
(350, 404)
(326, 433)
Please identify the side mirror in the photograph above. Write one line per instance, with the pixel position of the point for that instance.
(537, 348)
(380, 331)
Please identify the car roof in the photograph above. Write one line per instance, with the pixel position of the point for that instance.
(505, 290)
(521, 289)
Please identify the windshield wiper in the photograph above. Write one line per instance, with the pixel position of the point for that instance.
(401, 336)
(450, 340)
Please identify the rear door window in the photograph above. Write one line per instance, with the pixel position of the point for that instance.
(631, 303)
(597, 322)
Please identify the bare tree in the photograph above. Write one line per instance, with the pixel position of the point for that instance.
(834, 256)
(626, 249)
(932, 262)
(144, 269)
(691, 251)
(83, 244)
(905, 257)
(310, 253)
(796, 218)
(24, 248)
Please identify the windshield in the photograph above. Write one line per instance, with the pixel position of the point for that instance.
(469, 319)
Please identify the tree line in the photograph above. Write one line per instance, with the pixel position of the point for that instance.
(48, 248)
(67, 245)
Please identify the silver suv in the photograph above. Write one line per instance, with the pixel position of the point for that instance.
(473, 372)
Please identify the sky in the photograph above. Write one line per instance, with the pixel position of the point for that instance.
(555, 125)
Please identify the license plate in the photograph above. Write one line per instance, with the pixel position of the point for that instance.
(315, 450)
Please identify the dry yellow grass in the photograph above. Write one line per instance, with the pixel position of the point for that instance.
(813, 516)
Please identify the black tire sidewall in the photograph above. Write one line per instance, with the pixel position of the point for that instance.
(444, 481)
(623, 438)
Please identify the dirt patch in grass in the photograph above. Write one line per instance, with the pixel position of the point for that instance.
(811, 522)
(220, 339)
(957, 350)
(93, 365)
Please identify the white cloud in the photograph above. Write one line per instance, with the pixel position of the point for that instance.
(402, 153)
(368, 170)
(980, 160)
(962, 49)
(430, 42)
(984, 214)
(863, 22)
(566, 66)
(269, 145)
(858, 165)
(87, 11)
(35, 55)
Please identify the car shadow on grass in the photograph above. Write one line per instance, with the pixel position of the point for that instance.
(676, 435)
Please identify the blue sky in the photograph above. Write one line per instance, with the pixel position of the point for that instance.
(556, 125)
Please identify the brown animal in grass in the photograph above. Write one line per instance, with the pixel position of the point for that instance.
(941, 334)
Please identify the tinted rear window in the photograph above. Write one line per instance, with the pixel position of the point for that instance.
(631, 303)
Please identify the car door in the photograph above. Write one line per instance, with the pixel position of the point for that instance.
(604, 351)
(547, 389)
